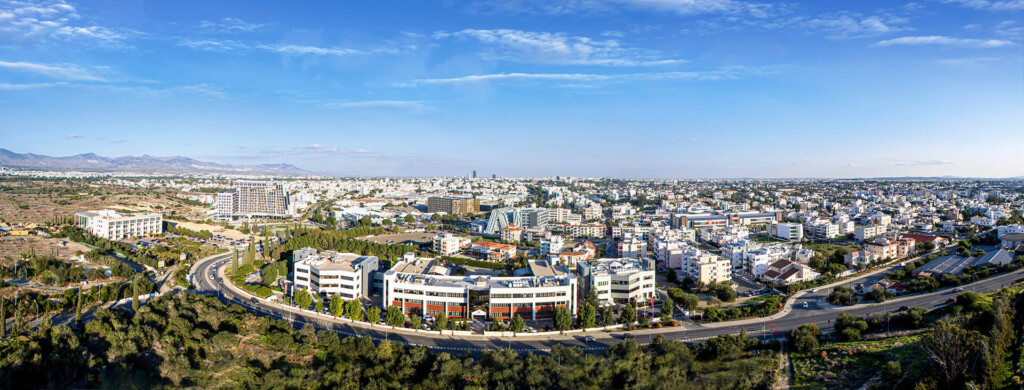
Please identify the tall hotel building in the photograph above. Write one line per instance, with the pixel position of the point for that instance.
(252, 199)
(454, 205)
(423, 287)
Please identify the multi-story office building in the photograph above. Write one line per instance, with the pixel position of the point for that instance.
(593, 212)
(447, 244)
(694, 221)
(113, 225)
(618, 280)
(252, 198)
(787, 231)
(419, 287)
(454, 205)
(534, 217)
(346, 275)
(512, 233)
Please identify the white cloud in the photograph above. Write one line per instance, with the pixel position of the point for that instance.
(232, 45)
(1010, 28)
(730, 73)
(555, 48)
(915, 163)
(991, 5)
(39, 22)
(943, 41)
(854, 25)
(73, 136)
(19, 87)
(64, 71)
(680, 7)
(970, 61)
(230, 25)
(415, 106)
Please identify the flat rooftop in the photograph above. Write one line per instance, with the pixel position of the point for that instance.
(421, 271)
(335, 261)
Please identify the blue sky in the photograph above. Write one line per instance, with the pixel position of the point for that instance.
(625, 88)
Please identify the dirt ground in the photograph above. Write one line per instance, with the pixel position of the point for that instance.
(13, 247)
(215, 229)
(46, 200)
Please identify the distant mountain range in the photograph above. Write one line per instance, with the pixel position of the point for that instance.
(143, 164)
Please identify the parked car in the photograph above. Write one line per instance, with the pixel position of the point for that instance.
(254, 300)
(805, 305)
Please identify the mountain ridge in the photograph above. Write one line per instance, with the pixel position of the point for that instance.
(144, 163)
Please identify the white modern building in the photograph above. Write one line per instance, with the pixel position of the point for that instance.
(420, 287)
(447, 244)
(618, 280)
(346, 275)
(787, 231)
(867, 232)
(632, 247)
(113, 225)
(552, 245)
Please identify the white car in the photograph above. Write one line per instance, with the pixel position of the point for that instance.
(805, 305)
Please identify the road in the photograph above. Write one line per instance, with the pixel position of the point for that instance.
(817, 312)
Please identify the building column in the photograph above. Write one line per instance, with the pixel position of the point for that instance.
(533, 314)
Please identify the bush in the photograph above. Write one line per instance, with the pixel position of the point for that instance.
(842, 296)
(892, 370)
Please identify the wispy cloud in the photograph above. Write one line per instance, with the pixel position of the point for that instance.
(232, 45)
(18, 87)
(73, 136)
(844, 25)
(411, 105)
(321, 149)
(555, 48)
(914, 163)
(943, 41)
(230, 25)
(968, 61)
(63, 71)
(118, 141)
(991, 5)
(730, 73)
(680, 7)
(43, 21)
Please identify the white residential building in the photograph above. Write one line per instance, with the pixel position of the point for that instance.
(447, 244)
(552, 246)
(868, 232)
(113, 225)
(632, 247)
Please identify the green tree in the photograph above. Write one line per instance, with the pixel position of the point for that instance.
(607, 317)
(415, 321)
(628, 315)
(337, 306)
(354, 310)
(586, 317)
(667, 310)
(394, 317)
(409, 218)
(953, 349)
(319, 305)
(592, 297)
(892, 370)
(517, 324)
(441, 322)
(373, 315)
(805, 338)
(563, 320)
(234, 261)
(78, 309)
(302, 299)
(876, 294)
(850, 327)
(3, 319)
(135, 292)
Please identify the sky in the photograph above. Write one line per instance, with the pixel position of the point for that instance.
(609, 88)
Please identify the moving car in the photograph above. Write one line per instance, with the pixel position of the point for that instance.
(254, 300)
(958, 289)
(904, 308)
(628, 336)
(588, 339)
(805, 305)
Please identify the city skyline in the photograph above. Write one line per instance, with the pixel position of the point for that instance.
(633, 89)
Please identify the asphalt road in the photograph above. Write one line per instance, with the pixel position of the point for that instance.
(818, 312)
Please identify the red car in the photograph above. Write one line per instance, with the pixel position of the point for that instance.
(951, 300)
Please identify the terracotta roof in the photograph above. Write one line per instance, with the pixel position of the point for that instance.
(574, 253)
(781, 264)
(495, 245)
(921, 237)
(771, 274)
(789, 274)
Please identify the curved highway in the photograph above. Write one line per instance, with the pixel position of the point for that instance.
(818, 311)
